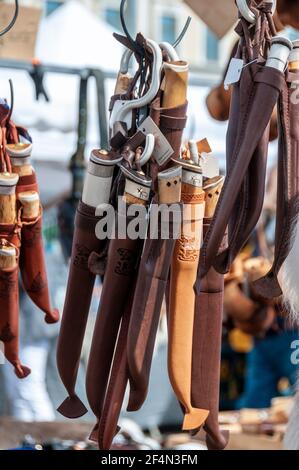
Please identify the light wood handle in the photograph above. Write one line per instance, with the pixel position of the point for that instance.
(8, 257)
(20, 154)
(129, 199)
(294, 66)
(169, 191)
(8, 210)
(170, 185)
(212, 189)
(176, 83)
(30, 204)
(123, 83)
(24, 170)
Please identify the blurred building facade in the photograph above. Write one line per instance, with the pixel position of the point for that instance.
(161, 20)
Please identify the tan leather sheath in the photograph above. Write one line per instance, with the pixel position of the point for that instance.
(182, 303)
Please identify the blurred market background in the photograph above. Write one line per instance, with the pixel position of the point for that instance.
(63, 61)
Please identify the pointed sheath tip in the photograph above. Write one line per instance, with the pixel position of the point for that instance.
(217, 442)
(194, 419)
(106, 436)
(94, 435)
(72, 408)
(53, 317)
(22, 371)
(136, 399)
(267, 286)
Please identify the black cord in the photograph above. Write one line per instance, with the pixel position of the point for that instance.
(137, 48)
(14, 19)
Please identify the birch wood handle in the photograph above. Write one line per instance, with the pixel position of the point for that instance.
(8, 257)
(30, 204)
(8, 212)
(176, 83)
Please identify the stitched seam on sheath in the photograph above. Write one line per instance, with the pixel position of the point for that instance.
(226, 182)
(286, 169)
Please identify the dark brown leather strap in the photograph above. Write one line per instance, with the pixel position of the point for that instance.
(261, 106)
(248, 205)
(287, 188)
(174, 123)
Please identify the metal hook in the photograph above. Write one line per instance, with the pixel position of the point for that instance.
(16, 14)
(133, 43)
(170, 51)
(125, 61)
(148, 150)
(121, 113)
(11, 99)
(184, 31)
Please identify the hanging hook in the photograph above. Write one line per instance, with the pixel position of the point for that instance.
(133, 43)
(184, 31)
(170, 51)
(16, 14)
(248, 14)
(12, 99)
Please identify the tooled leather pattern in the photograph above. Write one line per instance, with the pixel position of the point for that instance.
(6, 335)
(126, 262)
(193, 198)
(81, 256)
(187, 250)
(38, 284)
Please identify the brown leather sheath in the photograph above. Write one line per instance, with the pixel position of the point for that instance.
(248, 207)
(182, 304)
(32, 257)
(171, 122)
(206, 354)
(76, 308)
(116, 388)
(287, 187)
(9, 306)
(149, 293)
(268, 84)
(123, 257)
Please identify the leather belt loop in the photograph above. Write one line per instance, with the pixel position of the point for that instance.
(270, 76)
(174, 123)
